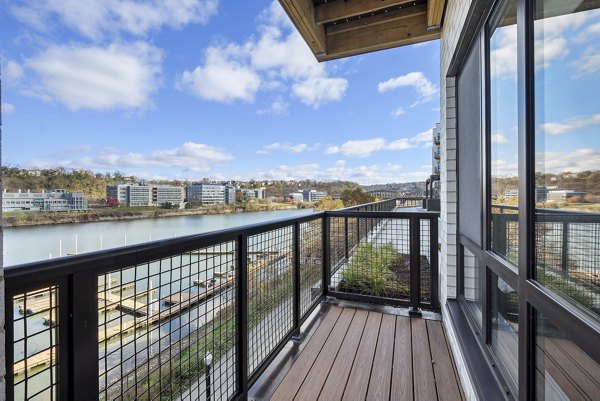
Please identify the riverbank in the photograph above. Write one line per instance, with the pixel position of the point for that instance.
(23, 219)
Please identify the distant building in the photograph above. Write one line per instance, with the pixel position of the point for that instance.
(132, 195)
(210, 194)
(56, 200)
(295, 196)
(162, 194)
(252, 193)
(139, 195)
(511, 193)
(230, 193)
(312, 195)
(561, 195)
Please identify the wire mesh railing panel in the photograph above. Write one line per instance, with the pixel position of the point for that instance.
(35, 344)
(311, 264)
(379, 265)
(505, 232)
(270, 292)
(337, 241)
(568, 256)
(425, 261)
(163, 325)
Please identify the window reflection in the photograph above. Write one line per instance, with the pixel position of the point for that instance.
(505, 327)
(567, 120)
(473, 284)
(503, 132)
(563, 370)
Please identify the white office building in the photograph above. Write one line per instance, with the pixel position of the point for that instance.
(56, 200)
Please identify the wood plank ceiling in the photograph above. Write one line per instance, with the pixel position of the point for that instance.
(341, 28)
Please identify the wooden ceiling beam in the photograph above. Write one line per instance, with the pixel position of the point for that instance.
(302, 14)
(341, 9)
(376, 20)
(435, 12)
(385, 35)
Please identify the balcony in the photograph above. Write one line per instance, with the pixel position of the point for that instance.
(204, 316)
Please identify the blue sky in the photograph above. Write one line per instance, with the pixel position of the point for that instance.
(207, 88)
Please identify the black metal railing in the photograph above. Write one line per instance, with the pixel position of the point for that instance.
(202, 316)
(567, 250)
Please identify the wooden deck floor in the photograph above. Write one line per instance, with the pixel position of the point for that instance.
(365, 355)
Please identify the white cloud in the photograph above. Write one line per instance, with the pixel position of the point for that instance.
(318, 90)
(331, 150)
(366, 147)
(589, 63)
(340, 170)
(426, 89)
(278, 107)
(190, 156)
(398, 112)
(7, 108)
(119, 76)
(277, 58)
(425, 136)
(499, 138)
(222, 78)
(13, 73)
(503, 168)
(571, 124)
(575, 161)
(550, 45)
(97, 19)
(288, 147)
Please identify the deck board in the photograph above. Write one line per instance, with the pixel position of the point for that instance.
(335, 384)
(359, 355)
(358, 382)
(311, 388)
(424, 384)
(381, 373)
(402, 379)
(291, 383)
(443, 369)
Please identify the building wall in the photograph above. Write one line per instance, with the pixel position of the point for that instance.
(454, 20)
(455, 17)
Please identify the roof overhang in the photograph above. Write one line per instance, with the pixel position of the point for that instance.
(341, 28)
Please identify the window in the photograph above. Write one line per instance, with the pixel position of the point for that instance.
(502, 133)
(567, 138)
(505, 327)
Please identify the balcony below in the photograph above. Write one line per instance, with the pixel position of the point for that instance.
(358, 352)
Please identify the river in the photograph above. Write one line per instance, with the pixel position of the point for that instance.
(30, 244)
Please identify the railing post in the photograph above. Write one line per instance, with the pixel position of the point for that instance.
(415, 262)
(434, 263)
(326, 259)
(242, 315)
(500, 234)
(297, 287)
(346, 238)
(83, 348)
(565, 249)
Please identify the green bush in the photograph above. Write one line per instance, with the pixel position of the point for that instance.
(369, 272)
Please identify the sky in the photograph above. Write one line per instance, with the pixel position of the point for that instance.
(188, 89)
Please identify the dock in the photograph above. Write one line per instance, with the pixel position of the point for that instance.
(41, 359)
